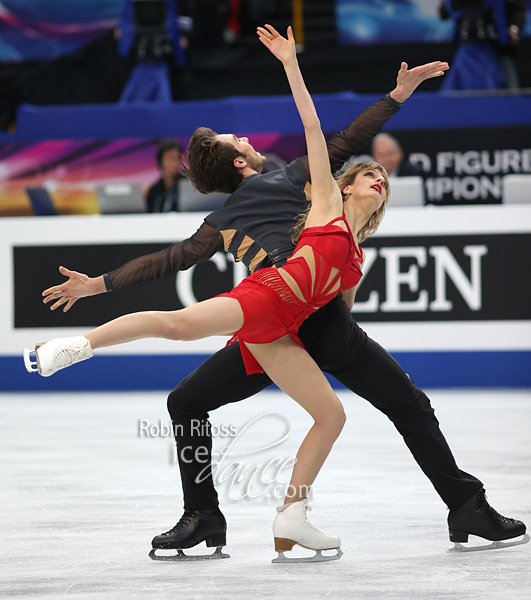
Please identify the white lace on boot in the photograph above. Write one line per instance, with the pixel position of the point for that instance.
(292, 526)
(58, 354)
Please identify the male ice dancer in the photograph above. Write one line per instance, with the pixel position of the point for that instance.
(254, 226)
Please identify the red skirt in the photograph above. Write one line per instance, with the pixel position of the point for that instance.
(270, 311)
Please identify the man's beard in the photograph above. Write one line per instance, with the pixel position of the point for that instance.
(260, 162)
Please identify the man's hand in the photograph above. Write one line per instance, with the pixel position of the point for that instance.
(408, 80)
(284, 49)
(77, 286)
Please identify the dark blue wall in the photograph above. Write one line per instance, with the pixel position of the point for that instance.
(261, 114)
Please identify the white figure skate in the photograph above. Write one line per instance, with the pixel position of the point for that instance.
(57, 354)
(292, 527)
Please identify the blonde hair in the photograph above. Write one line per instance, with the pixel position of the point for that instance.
(347, 178)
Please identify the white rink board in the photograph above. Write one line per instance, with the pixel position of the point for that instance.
(399, 222)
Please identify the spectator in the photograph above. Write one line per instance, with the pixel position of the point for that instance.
(387, 151)
(163, 196)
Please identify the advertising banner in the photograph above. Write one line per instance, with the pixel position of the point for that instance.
(466, 165)
(440, 284)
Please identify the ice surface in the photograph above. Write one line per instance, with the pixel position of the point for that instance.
(84, 489)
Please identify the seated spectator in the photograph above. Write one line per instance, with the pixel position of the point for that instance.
(163, 196)
(387, 151)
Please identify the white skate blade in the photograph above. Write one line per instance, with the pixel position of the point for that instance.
(181, 556)
(317, 557)
(32, 366)
(458, 547)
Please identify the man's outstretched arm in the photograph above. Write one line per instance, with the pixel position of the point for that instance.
(367, 124)
(196, 249)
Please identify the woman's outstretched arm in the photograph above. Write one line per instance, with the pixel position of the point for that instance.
(325, 195)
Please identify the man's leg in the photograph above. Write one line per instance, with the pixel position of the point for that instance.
(220, 380)
(380, 380)
(341, 348)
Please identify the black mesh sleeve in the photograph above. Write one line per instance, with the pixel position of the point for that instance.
(358, 133)
(198, 248)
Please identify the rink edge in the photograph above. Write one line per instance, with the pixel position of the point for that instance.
(508, 369)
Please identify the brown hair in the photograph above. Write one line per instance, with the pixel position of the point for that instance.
(347, 178)
(211, 163)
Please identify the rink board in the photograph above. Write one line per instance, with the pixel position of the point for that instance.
(447, 290)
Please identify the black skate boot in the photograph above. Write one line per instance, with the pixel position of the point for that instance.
(477, 517)
(194, 527)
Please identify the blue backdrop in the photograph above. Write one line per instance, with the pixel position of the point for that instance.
(364, 22)
(44, 29)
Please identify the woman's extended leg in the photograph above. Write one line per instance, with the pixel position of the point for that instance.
(216, 316)
(297, 374)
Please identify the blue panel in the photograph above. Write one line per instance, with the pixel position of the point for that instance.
(122, 373)
(467, 369)
(428, 110)
(116, 373)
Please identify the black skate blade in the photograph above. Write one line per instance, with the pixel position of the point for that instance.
(492, 546)
(181, 556)
(317, 557)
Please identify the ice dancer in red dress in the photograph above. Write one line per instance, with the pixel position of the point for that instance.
(265, 310)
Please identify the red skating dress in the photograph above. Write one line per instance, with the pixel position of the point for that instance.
(271, 309)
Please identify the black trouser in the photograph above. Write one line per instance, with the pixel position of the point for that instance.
(340, 347)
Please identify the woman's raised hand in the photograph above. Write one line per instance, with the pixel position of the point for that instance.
(282, 48)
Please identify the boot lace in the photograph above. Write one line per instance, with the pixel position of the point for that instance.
(66, 356)
(309, 523)
(183, 522)
(484, 505)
